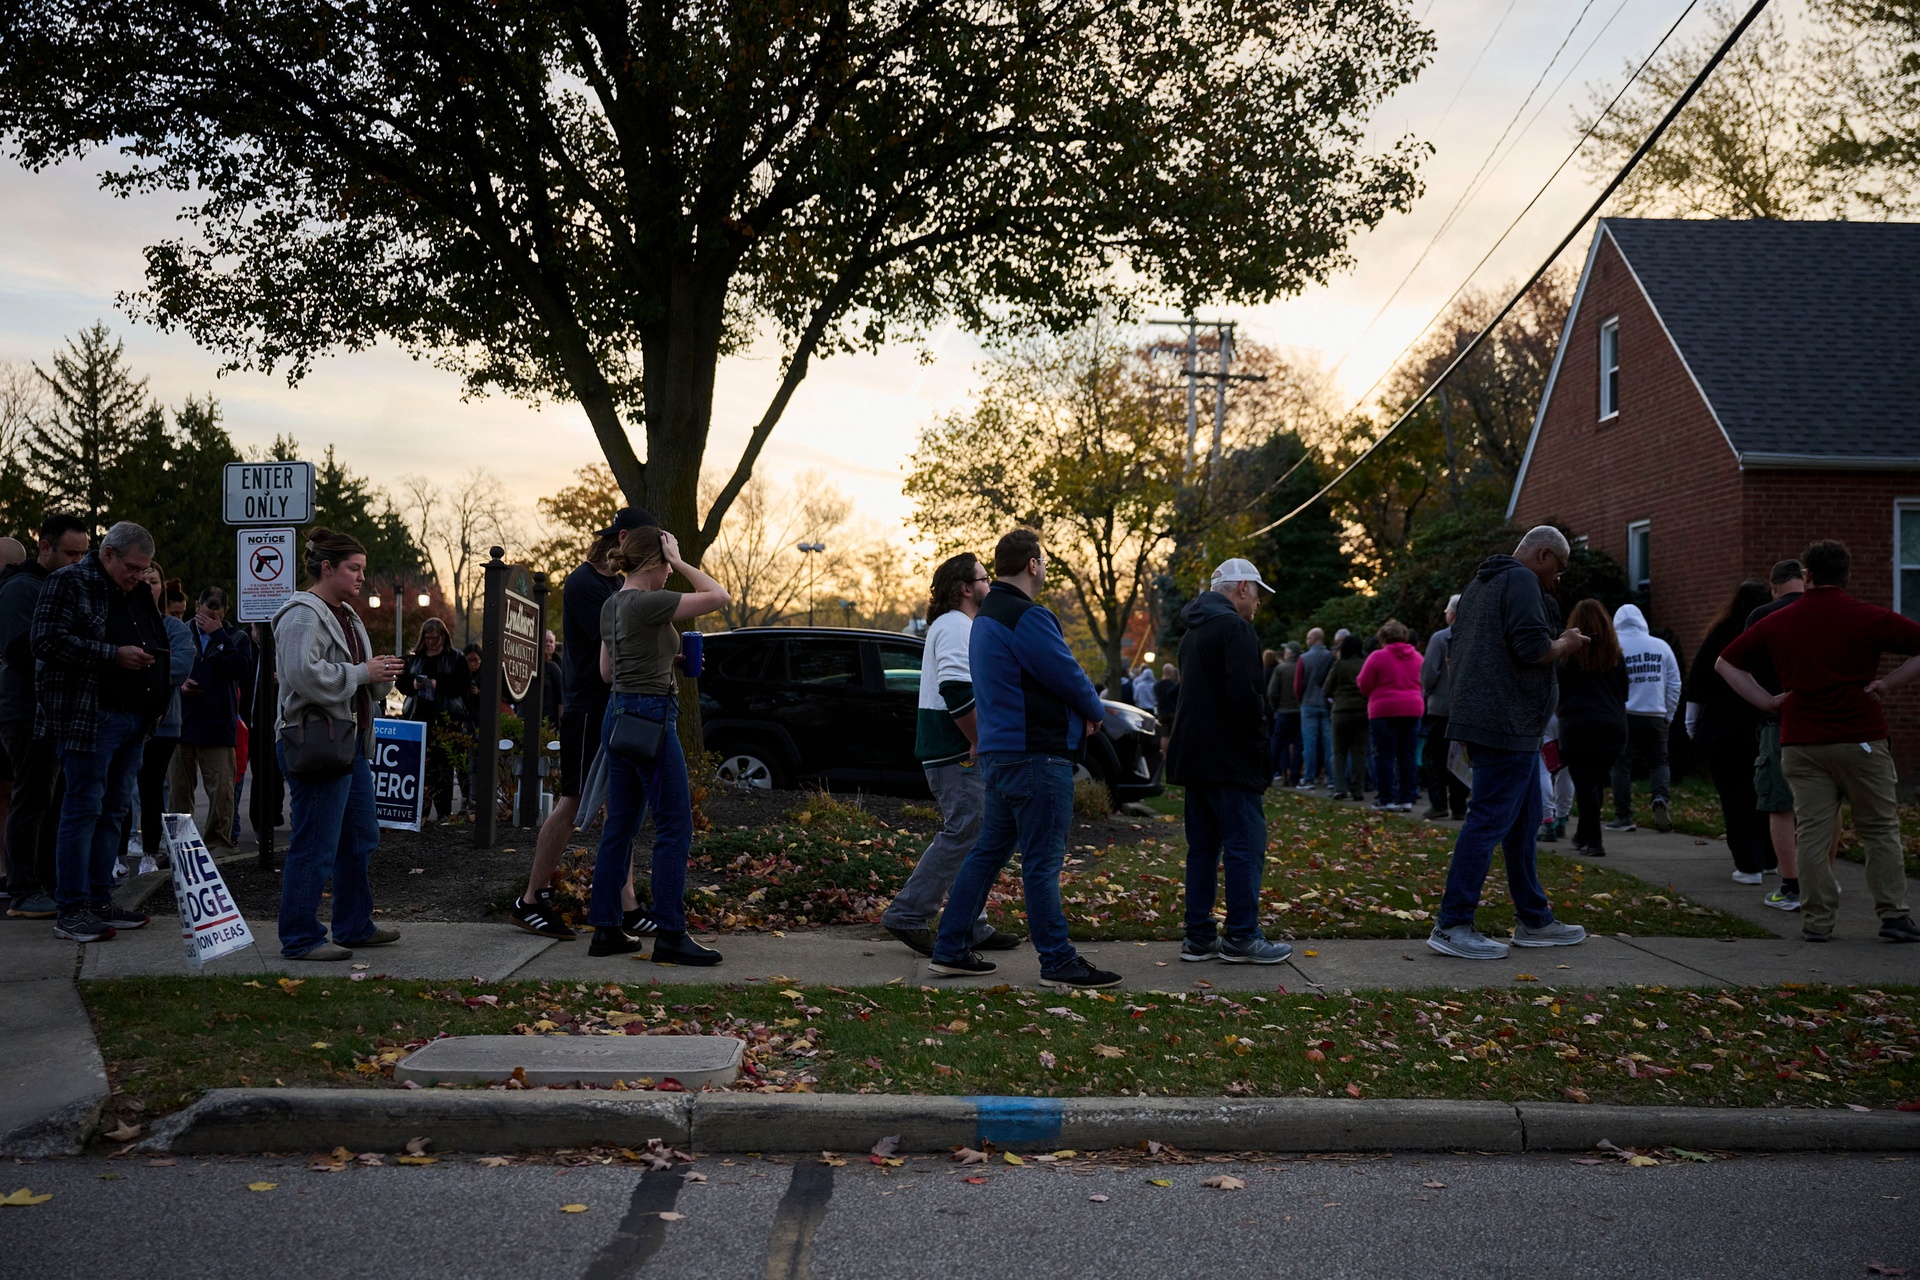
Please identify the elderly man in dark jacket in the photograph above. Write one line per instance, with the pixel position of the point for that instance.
(1500, 662)
(1218, 752)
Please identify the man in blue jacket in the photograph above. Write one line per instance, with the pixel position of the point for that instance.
(1033, 706)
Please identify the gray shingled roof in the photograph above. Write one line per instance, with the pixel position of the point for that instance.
(1805, 336)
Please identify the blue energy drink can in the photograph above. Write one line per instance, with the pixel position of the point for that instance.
(692, 649)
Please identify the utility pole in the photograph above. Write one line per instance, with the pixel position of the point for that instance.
(1224, 329)
(1220, 401)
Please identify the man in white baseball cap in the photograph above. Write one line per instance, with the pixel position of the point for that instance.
(1218, 752)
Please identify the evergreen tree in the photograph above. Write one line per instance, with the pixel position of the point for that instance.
(100, 413)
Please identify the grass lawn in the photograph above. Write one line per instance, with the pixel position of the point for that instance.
(1695, 806)
(166, 1039)
(1331, 872)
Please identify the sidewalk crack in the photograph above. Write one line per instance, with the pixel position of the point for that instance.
(1670, 960)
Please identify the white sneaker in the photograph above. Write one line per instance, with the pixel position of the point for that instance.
(1554, 933)
(1748, 877)
(1466, 942)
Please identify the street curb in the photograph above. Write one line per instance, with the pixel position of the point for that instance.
(247, 1120)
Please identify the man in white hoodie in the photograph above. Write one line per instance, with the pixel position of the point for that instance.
(1653, 696)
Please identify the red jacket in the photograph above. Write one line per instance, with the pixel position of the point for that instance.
(1390, 678)
(1827, 649)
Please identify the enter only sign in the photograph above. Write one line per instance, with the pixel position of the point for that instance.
(268, 493)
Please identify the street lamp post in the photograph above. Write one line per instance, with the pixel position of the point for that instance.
(810, 549)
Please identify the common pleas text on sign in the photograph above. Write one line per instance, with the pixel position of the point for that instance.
(268, 493)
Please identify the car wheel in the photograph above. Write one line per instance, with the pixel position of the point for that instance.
(751, 769)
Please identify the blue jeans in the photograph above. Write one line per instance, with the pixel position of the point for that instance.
(99, 796)
(631, 788)
(1503, 808)
(1225, 824)
(334, 833)
(1029, 804)
(1316, 736)
(1395, 770)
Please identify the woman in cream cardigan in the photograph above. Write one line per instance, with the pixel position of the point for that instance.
(327, 666)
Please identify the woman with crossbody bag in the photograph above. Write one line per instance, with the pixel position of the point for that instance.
(330, 682)
(645, 766)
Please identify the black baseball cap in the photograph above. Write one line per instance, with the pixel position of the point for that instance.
(629, 518)
(1787, 571)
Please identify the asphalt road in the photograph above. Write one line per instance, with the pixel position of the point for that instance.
(1526, 1216)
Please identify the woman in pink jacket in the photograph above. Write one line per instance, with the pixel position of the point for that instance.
(1391, 681)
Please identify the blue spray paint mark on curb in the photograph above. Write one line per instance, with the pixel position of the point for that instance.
(1006, 1121)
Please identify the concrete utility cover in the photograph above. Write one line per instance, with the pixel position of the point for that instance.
(692, 1060)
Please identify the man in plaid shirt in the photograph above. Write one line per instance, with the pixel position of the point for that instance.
(97, 637)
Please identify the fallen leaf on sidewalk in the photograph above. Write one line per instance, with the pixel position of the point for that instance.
(1431, 1185)
(1643, 1162)
(493, 1162)
(967, 1155)
(1525, 977)
(1011, 1158)
(668, 1215)
(832, 1161)
(416, 1159)
(261, 1186)
(1159, 1182)
(573, 1208)
(1098, 1199)
(125, 1132)
(1222, 1182)
(24, 1197)
(320, 1164)
(975, 1182)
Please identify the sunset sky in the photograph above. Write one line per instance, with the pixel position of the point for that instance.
(66, 249)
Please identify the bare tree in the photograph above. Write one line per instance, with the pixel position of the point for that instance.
(23, 399)
(756, 553)
(458, 525)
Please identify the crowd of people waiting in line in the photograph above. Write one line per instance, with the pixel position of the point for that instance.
(1505, 703)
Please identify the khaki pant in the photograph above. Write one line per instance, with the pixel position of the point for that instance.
(214, 767)
(1819, 776)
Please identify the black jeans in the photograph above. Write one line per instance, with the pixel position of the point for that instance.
(1445, 791)
(1730, 758)
(1646, 746)
(1590, 771)
(1284, 747)
(153, 786)
(1350, 753)
(33, 820)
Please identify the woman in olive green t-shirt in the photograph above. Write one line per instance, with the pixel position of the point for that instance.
(638, 649)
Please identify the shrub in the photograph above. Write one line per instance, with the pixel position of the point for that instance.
(1091, 799)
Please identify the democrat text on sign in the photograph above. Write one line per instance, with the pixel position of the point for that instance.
(399, 773)
(210, 924)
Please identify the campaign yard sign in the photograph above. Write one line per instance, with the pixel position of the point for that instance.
(210, 924)
(399, 773)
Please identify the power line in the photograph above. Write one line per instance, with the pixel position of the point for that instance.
(1627, 169)
(1468, 78)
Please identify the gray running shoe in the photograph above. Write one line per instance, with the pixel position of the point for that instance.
(1621, 824)
(1466, 942)
(1780, 900)
(1198, 951)
(1553, 933)
(1253, 950)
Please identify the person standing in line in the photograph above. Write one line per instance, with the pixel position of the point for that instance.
(1772, 795)
(151, 784)
(549, 709)
(1143, 689)
(1592, 718)
(1219, 754)
(639, 652)
(13, 554)
(1502, 656)
(583, 714)
(209, 707)
(1166, 698)
(1653, 681)
(434, 683)
(34, 757)
(1833, 734)
(1725, 727)
(1349, 715)
(1556, 786)
(1316, 714)
(1033, 706)
(102, 652)
(1390, 678)
(1284, 707)
(944, 739)
(329, 674)
(1446, 794)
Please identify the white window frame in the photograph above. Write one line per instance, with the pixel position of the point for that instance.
(1609, 373)
(1903, 509)
(1639, 576)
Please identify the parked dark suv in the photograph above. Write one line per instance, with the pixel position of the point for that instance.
(785, 705)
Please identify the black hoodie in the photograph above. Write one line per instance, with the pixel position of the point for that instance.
(1219, 736)
(1500, 693)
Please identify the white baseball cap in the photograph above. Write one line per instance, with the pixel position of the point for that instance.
(1238, 570)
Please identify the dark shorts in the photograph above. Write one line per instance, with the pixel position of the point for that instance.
(1770, 790)
(579, 744)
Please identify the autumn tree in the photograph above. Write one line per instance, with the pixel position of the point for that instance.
(458, 525)
(756, 555)
(592, 201)
(573, 517)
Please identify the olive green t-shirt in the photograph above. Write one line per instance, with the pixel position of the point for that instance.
(638, 627)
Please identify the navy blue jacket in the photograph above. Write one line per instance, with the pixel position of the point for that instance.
(1029, 693)
(222, 666)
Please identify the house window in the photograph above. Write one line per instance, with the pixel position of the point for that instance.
(1906, 557)
(1640, 557)
(1609, 367)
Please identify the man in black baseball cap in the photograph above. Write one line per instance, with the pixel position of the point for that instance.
(628, 518)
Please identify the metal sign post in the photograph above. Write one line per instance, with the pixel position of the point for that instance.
(486, 717)
(532, 704)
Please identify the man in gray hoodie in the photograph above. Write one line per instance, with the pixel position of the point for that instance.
(1653, 696)
(1500, 664)
(1316, 720)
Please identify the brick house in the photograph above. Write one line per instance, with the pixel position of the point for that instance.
(1726, 392)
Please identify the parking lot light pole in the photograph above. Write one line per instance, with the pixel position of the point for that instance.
(810, 549)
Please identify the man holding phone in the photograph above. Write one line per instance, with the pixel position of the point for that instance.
(103, 651)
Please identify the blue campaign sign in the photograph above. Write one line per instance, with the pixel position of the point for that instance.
(400, 773)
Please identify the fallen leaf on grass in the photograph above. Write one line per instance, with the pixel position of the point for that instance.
(1353, 1091)
(261, 1186)
(1221, 1182)
(1047, 1059)
(573, 1208)
(127, 1132)
(493, 1162)
(23, 1197)
(1109, 1051)
(1575, 1095)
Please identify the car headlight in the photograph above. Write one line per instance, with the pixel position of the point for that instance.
(1122, 718)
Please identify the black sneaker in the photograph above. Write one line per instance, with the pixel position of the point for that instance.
(969, 965)
(1808, 935)
(77, 924)
(1900, 929)
(1079, 976)
(613, 942)
(997, 941)
(118, 917)
(1195, 952)
(1662, 818)
(638, 923)
(534, 918)
(678, 948)
(919, 941)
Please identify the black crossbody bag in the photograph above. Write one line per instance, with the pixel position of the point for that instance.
(634, 737)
